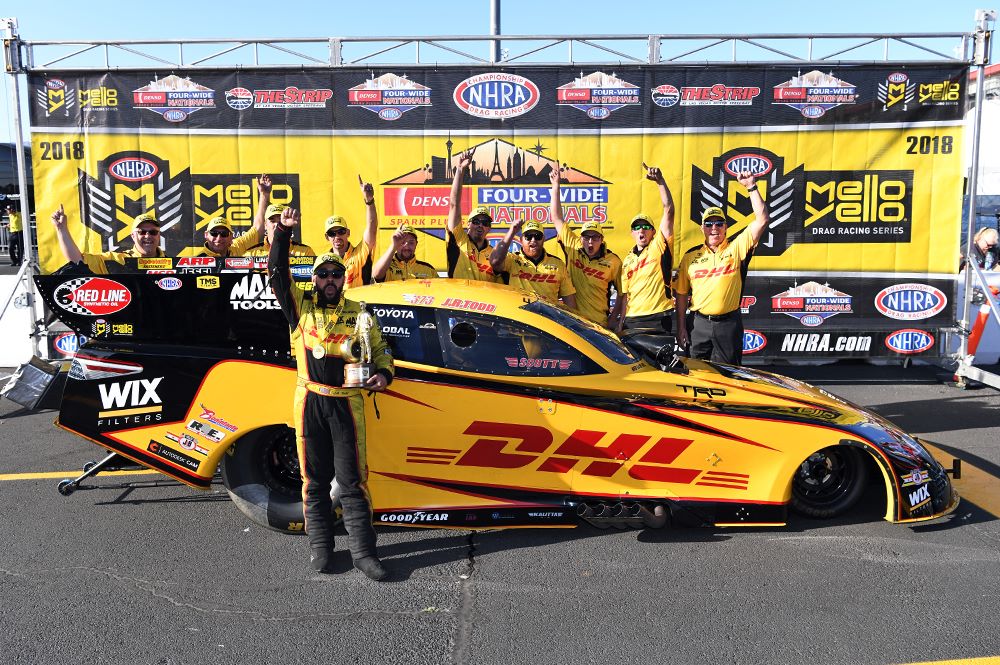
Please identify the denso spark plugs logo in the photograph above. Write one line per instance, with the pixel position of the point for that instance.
(496, 96)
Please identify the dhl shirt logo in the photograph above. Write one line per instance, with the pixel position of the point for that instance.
(538, 277)
(719, 271)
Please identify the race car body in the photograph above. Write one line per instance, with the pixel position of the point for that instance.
(506, 411)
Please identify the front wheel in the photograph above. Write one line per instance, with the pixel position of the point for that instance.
(829, 482)
(261, 474)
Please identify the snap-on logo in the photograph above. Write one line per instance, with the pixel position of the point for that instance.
(133, 169)
(909, 341)
(910, 302)
(496, 95)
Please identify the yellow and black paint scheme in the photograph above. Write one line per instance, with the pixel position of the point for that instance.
(506, 411)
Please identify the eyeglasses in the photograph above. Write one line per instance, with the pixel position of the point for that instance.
(219, 233)
(533, 235)
(336, 232)
(591, 236)
(713, 222)
(481, 221)
(329, 274)
(642, 227)
(148, 232)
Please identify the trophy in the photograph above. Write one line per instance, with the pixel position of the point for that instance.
(359, 366)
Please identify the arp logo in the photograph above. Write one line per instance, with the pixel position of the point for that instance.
(513, 446)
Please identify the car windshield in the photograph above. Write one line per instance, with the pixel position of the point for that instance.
(606, 343)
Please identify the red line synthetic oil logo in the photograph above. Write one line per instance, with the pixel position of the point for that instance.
(910, 302)
(909, 341)
(496, 95)
(814, 93)
(174, 98)
(753, 341)
(598, 94)
(389, 96)
(92, 296)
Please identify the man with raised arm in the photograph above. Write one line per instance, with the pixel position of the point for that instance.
(145, 240)
(468, 248)
(329, 419)
(219, 242)
(533, 269)
(357, 258)
(593, 268)
(711, 278)
(646, 268)
(399, 262)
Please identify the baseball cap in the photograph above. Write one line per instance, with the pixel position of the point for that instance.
(712, 213)
(640, 220)
(329, 257)
(144, 218)
(406, 228)
(532, 226)
(335, 222)
(216, 222)
(591, 226)
(481, 211)
(274, 209)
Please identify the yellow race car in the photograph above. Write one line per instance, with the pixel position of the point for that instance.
(506, 411)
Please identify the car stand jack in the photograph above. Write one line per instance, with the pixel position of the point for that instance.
(67, 487)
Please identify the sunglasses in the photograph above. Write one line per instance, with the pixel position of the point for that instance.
(713, 222)
(481, 221)
(642, 227)
(336, 232)
(534, 235)
(329, 274)
(148, 232)
(219, 233)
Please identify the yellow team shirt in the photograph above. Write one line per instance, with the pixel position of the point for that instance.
(591, 277)
(15, 222)
(413, 269)
(238, 248)
(715, 279)
(298, 255)
(466, 261)
(355, 259)
(548, 278)
(98, 262)
(645, 276)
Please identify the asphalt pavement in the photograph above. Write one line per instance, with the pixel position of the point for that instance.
(139, 569)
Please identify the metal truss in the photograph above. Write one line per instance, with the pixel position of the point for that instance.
(468, 50)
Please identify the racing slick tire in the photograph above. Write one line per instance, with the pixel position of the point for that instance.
(261, 474)
(829, 482)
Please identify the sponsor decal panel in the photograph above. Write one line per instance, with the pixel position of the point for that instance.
(718, 94)
(389, 96)
(835, 343)
(205, 430)
(814, 93)
(291, 97)
(746, 302)
(919, 497)
(171, 455)
(187, 442)
(102, 328)
(665, 95)
(92, 296)
(538, 363)
(598, 94)
(915, 477)
(173, 97)
(910, 302)
(496, 95)
(909, 341)
(169, 283)
(414, 517)
(210, 416)
(207, 282)
(811, 303)
(154, 263)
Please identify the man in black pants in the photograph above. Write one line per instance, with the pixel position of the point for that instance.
(329, 419)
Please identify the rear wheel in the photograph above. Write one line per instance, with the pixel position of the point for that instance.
(261, 474)
(829, 482)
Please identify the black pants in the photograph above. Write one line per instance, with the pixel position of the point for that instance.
(720, 341)
(331, 435)
(16, 248)
(662, 320)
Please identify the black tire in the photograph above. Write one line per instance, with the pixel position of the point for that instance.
(261, 474)
(829, 482)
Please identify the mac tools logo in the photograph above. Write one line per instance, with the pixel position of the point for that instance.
(496, 96)
(598, 94)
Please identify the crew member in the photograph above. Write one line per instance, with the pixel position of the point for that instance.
(533, 269)
(711, 278)
(329, 419)
(468, 249)
(646, 269)
(357, 258)
(219, 242)
(985, 252)
(145, 238)
(15, 236)
(593, 268)
(399, 261)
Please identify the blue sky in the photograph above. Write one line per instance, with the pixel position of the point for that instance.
(43, 20)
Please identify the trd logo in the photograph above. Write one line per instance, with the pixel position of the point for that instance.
(511, 446)
(137, 392)
(699, 391)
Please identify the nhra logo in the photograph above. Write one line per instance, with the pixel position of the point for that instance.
(496, 95)
(598, 94)
(56, 98)
(92, 296)
(389, 96)
(133, 169)
(896, 91)
(909, 341)
(910, 302)
(67, 344)
(806, 206)
(753, 341)
(252, 292)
